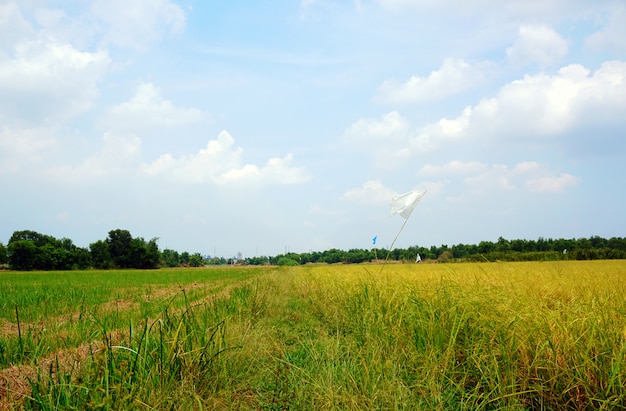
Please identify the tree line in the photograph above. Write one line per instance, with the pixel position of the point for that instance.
(30, 250)
(593, 248)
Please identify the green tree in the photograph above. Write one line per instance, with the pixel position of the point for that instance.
(4, 257)
(196, 260)
(152, 254)
(486, 247)
(47, 257)
(100, 255)
(22, 254)
(184, 258)
(170, 258)
(80, 258)
(119, 242)
(285, 261)
(502, 245)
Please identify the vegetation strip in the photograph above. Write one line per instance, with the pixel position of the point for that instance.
(30, 250)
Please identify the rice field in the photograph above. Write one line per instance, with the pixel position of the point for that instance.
(513, 336)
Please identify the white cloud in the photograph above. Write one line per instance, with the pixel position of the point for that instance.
(454, 77)
(433, 135)
(385, 137)
(612, 37)
(13, 26)
(217, 158)
(391, 127)
(481, 178)
(525, 111)
(221, 163)
(453, 167)
(218, 163)
(544, 105)
(537, 44)
(138, 23)
(147, 108)
(531, 175)
(509, 11)
(551, 184)
(120, 154)
(371, 192)
(22, 148)
(498, 176)
(45, 82)
(275, 171)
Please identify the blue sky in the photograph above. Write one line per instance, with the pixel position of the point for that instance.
(246, 127)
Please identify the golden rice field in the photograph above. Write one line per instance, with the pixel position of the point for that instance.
(511, 336)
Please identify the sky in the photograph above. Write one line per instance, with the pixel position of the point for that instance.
(222, 127)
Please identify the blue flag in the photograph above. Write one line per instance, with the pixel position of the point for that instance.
(374, 239)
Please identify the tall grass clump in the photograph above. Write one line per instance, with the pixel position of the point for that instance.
(493, 336)
(173, 361)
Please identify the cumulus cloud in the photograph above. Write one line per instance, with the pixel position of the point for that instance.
(533, 176)
(221, 163)
(454, 77)
(371, 192)
(481, 178)
(147, 108)
(432, 136)
(21, 148)
(534, 109)
(137, 24)
(537, 44)
(45, 82)
(540, 106)
(545, 105)
(385, 137)
(552, 184)
(119, 155)
(391, 126)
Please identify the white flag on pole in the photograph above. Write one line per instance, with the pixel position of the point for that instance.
(404, 204)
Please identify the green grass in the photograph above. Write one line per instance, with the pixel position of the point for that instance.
(508, 336)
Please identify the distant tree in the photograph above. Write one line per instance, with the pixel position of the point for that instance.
(100, 255)
(598, 242)
(358, 256)
(332, 256)
(22, 254)
(502, 244)
(617, 243)
(4, 258)
(184, 258)
(152, 255)
(259, 260)
(37, 239)
(287, 261)
(460, 251)
(445, 256)
(485, 247)
(170, 258)
(196, 260)
(143, 254)
(80, 258)
(119, 242)
(47, 257)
